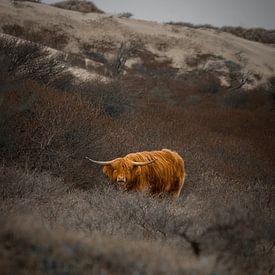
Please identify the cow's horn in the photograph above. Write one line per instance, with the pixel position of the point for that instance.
(142, 163)
(100, 162)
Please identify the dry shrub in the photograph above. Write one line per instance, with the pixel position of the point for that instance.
(93, 53)
(22, 184)
(271, 87)
(125, 51)
(223, 221)
(55, 131)
(208, 83)
(254, 34)
(97, 48)
(13, 29)
(78, 5)
(152, 68)
(58, 253)
(75, 59)
(52, 36)
(26, 60)
(113, 67)
(257, 99)
(199, 59)
(214, 228)
(112, 97)
(125, 15)
(34, 1)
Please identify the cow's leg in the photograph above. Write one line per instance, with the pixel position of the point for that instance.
(176, 189)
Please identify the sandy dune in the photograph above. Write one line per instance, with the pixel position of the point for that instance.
(176, 43)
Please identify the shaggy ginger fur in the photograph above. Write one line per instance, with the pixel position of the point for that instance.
(165, 175)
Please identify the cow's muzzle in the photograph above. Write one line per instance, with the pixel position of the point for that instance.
(121, 179)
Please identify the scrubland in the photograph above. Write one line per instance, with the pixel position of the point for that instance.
(60, 215)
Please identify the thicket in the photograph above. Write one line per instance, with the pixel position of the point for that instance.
(51, 36)
(60, 215)
(253, 34)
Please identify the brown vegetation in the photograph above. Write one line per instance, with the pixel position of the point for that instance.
(60, 215)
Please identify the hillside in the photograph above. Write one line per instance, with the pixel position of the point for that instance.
(183, 48)
(76, 84)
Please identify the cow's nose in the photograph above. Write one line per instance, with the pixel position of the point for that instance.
(121, 179)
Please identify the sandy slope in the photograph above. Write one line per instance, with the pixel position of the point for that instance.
(174, 42)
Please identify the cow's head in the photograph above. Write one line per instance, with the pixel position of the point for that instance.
(121, 170)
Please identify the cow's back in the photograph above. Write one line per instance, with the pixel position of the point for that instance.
(166, 174)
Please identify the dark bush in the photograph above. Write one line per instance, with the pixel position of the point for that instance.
(253, 100)
(52, 36)
(76, 60)
(50, 127)
(271, 87)
(254, 34)
(13, 29)
(26, 60)
(125, 15)
(78, 5)
(152, 68)
(34, 1)
(113, 67)
(93, 54)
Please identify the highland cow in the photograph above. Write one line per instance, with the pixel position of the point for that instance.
(154, 172)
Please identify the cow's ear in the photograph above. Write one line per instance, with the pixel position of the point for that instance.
(108, 170)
